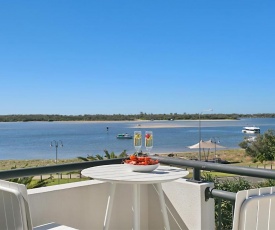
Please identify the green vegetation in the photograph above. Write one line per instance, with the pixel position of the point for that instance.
(225, 207)
(108, 155)
(232, 155)
(129, 117)
(55, 181)
(222, 181)
(11, 164)
(29, 182)
(32, 183)
(263, 148)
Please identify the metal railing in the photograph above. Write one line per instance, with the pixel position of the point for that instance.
(26, 172)
(197, 166)
(215, 193)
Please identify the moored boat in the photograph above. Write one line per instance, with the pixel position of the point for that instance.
(251, 129)
(124, 136)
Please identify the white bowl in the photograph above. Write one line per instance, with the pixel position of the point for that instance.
(141, 168)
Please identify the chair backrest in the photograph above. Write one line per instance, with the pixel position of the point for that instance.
(14, 206)
(255, 209)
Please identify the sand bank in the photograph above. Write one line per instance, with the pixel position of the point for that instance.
(170, 124)
(146, 124)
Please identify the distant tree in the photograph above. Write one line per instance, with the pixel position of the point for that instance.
(263, 148)
(126, 117)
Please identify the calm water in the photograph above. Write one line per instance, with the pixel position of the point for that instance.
(31, 140)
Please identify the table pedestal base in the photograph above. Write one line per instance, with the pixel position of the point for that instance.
(136, 206)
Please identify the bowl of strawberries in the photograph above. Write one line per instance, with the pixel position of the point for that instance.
(141, 163)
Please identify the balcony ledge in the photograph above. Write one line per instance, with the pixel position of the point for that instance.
(82, 205)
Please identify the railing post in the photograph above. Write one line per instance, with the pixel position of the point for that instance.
(219, 214)
(196, 174)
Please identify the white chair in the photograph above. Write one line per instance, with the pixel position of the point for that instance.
(255, 209)
(15, 212)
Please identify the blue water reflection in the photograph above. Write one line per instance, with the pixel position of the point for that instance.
(31, 140)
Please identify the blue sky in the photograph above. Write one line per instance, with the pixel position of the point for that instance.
(109, 57)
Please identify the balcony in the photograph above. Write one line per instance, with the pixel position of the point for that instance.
(82, 205)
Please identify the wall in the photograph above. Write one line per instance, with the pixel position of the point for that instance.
(82, 205)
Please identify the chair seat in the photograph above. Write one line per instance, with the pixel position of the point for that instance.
(53, 226)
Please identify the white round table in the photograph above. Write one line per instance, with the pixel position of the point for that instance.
(121, 174)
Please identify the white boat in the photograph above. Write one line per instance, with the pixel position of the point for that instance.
(124, 136)
(251, 129)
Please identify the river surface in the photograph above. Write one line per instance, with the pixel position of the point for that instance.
(31, 140)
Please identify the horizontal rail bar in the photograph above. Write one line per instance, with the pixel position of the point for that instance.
(26, 172)
(215, 193)
(225, 168)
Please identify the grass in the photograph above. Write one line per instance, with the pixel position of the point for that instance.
(65, 181)
(231, 155)
(9, 164)
(236, 156)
